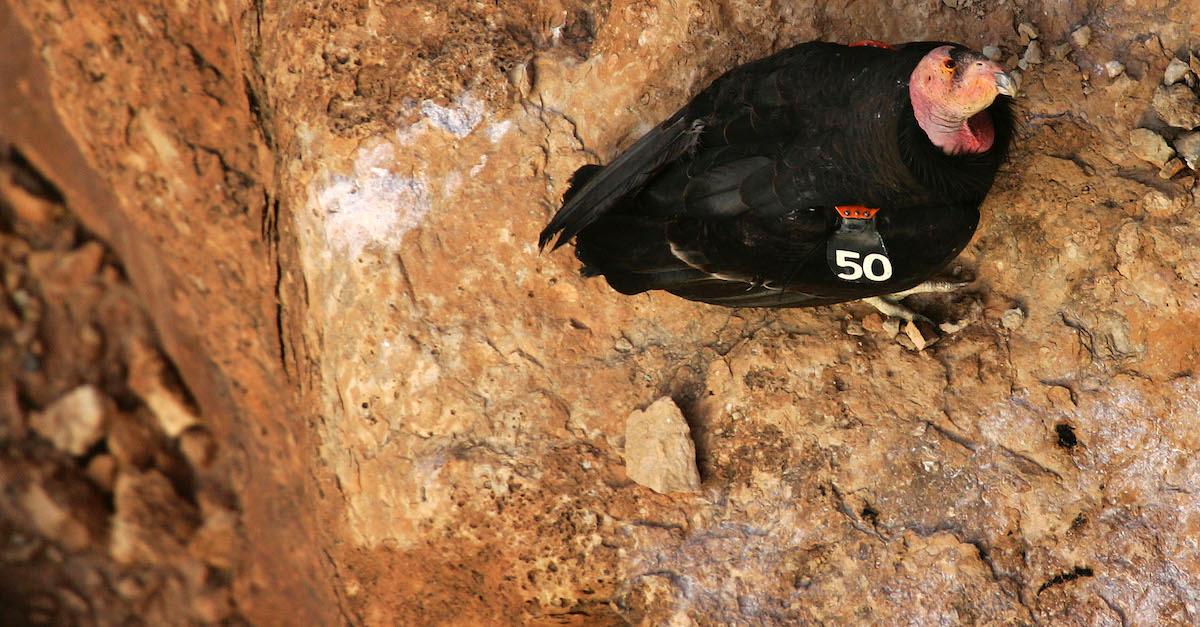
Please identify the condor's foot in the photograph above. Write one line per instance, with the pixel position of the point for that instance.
(890, 305)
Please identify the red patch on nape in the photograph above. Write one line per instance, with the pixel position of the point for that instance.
(870, 43)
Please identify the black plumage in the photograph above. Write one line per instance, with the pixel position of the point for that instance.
(731, 200)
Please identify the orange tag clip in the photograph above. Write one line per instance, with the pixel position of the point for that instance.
(857, 212)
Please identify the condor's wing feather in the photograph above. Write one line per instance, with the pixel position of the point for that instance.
(759, 102)
(626, 173)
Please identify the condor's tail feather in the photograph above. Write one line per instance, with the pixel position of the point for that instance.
(594, 189)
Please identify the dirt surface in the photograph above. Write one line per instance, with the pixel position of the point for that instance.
(327, 216)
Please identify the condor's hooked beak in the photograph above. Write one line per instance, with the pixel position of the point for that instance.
(1005, 84)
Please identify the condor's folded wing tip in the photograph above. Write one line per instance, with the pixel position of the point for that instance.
(595, 190)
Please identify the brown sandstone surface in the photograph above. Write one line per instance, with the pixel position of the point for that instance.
(293, 245)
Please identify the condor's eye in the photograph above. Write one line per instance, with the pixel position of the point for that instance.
(949, 64)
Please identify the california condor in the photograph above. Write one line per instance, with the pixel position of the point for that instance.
(822, 174)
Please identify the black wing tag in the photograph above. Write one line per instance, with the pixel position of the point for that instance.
(855, 252)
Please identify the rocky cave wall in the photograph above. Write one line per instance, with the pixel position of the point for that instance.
(329, 216)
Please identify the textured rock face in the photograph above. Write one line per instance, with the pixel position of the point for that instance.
(427, 415)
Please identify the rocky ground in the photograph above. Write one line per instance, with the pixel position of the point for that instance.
(107, 512)
(317, 367)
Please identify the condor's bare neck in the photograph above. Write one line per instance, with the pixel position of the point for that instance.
(953, 133)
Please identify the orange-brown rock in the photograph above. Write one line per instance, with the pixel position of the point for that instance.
(330, 211)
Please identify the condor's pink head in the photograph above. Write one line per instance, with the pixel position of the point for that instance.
(951, 89)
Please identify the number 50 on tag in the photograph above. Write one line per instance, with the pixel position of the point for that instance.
(875, 267)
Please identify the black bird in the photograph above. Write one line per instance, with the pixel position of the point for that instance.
(821, 174)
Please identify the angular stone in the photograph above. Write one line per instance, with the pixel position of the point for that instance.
(152, 524)
(1158, 204)
(1027, 32)
(922, 334)
(1171, 168)
(1082, 36)
(659, 452)
(1150, 146)
(1188, 147)
(131, 441)
(872, 322)
(76, 421)
(146, 378)
(63, 508)
(1177, 105)
(53, 519)
(1176, 70)
(1012, 319)
(1033, 55)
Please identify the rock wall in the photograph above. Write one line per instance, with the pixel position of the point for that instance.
(331, 212)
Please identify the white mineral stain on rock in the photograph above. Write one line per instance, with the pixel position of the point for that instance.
(478, 167)
(458, 120)
(497, 131)
(370, 206)
(659, 452)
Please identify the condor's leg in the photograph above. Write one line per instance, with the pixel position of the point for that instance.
(890, 305)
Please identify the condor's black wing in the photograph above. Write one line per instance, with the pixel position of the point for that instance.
(730, 139)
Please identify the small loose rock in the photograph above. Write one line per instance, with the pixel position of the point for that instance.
(1027, 32)
(922, 334)
(992, 52)
(1159, 204)
(1032, 56)
(891, 327)
(1082, 36)
(1176, 72)
(1188, 147)
(873, 323)
(1114, 68)
(76, 421)
(659, 452)
(152, 524)
(855, 328)
(1177, 105)
(623, 345)
(147, 378)
(1150, 146)
(1171, 168)
(65, 511)
(1012, 319)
